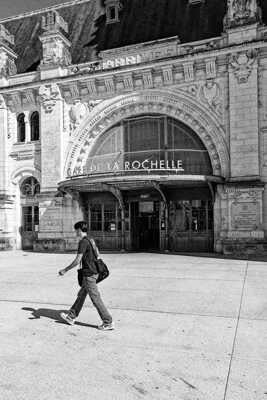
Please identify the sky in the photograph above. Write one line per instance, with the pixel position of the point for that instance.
(9, 8)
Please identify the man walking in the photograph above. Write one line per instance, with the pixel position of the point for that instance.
(86, 255)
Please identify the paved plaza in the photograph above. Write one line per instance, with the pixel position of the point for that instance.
(187, 328)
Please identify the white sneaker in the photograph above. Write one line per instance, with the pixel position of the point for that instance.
(106, 327)
(67, 318)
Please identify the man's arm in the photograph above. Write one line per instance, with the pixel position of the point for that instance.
(74, 263)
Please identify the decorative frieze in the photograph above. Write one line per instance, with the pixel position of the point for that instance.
(109, 84)
(74, 90)
(189, 71)
(211, 69)
(29, 97)
(167, 73)
(91, 86)
(128, 81)
(147, 79)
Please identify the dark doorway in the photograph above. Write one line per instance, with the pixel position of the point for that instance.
(145, 225)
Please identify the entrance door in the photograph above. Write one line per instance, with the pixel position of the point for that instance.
(30, 222)
(191, 225)
(145, 225)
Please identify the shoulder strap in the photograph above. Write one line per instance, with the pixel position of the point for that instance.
(94, 247)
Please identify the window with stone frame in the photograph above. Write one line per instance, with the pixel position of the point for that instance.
(21, 128)
(35, 126)
(112, 11)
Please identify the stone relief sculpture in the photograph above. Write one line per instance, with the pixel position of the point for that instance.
(242, 64)
(242, 11)
(7, 65)
(55, 52)
(211, 94)
(48, 96)
(78, 112)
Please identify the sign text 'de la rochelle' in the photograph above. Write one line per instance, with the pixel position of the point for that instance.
(136, 165)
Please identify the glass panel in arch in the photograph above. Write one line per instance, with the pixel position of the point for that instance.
(144, 133)
(107, 154)
(192, 161)
(182, 137)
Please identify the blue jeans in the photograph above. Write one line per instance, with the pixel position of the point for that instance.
(89, 287)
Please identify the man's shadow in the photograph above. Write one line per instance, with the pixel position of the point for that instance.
(52, 314)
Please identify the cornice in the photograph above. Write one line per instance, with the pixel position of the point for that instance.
(172, 70)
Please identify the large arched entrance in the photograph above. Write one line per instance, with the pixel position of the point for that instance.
(147, 184)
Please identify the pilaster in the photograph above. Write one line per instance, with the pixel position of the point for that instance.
(244, 125)
(52, 115)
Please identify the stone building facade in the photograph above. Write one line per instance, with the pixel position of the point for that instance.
(150, 123)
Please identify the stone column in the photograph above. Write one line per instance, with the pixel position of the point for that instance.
(27, 127)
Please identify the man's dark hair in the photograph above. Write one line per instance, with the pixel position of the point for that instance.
(82, 225)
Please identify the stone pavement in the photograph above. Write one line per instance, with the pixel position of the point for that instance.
(187, 328)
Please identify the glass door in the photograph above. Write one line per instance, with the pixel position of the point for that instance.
(191, 225)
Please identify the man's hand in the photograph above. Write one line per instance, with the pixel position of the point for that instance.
(62, 272)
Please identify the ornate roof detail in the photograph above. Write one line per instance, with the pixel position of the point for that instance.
(55, 45)
(242, 12)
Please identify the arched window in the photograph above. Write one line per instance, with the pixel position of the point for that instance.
(149, 142)
(21, 127)
(35, 126)
(30, 187)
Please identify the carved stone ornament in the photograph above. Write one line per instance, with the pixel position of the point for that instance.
(242, 65)
(55, 44)
(7, 65)
(211, 93)
(241, 12)
(78, 112)
(55, 52)
(48, 97)
(92, 104)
